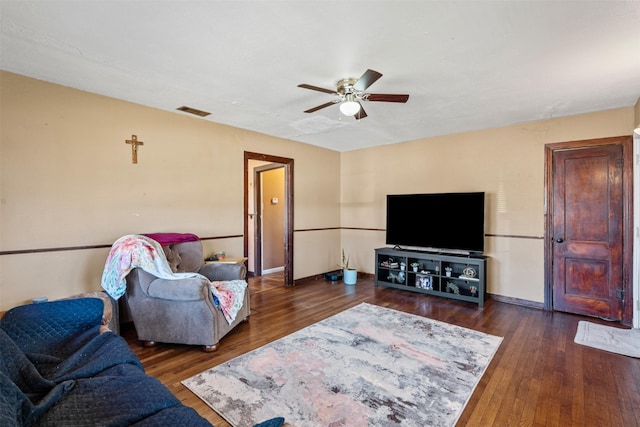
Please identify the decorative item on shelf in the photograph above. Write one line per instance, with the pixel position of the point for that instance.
(220, 255)
(437, 269)
(350, 274)
(447, 271)
(415, 266)
(402, 266)
(396, 277)
(389, 263)
(473, 290)
(469, 272)
(452, 288)
(423, 281)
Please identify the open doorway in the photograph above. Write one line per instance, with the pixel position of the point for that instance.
(263, 254)
(269, 214)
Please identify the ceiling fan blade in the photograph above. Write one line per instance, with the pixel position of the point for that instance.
(319, 89)
(367, 79)
(319, 107)
(361, 114)
(386, 97)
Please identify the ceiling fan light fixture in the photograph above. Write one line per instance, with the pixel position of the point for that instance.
(349, 107)
(351, 92)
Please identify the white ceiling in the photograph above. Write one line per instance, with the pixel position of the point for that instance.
(467, 65)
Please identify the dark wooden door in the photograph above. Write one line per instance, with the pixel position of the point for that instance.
(587, 231)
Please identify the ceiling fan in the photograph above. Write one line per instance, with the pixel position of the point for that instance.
(352, 91)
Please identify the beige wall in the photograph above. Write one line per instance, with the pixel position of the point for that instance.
(67, 180)
(506, 163)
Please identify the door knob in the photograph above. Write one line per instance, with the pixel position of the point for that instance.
(559, 240)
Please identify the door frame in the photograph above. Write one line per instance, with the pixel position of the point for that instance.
(627, 221)
(258, 229)
(288, 219)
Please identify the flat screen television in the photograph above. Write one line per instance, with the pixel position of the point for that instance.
(440, 221)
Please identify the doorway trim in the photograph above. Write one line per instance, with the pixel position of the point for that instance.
(627, 232)
(288, 217)
(259, 214)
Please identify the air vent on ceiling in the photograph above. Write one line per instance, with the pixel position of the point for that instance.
(193, 111)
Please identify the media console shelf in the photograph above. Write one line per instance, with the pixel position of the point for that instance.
(461, 277)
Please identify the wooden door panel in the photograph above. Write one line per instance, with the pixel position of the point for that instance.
(586, 199)
(585, 287)
(587, 231)
(587, 278)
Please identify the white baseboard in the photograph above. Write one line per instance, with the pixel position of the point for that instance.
(273, 270)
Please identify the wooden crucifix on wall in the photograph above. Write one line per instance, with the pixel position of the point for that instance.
(134, 147)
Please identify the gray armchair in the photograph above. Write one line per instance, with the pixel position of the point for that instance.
(182, 311)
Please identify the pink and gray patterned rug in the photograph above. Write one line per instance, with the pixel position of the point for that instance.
(366, 366)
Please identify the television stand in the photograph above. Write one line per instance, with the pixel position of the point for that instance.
(461, 277)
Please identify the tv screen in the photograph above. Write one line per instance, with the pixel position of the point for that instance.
(442, 221)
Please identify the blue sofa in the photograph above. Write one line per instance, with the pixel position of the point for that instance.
(57, 369)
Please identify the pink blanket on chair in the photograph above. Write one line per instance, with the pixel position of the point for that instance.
(172, 238)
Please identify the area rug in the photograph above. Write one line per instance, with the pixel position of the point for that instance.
(366, 366)
(608, 338)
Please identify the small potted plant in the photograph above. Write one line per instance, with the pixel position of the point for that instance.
(350, 274)
(415, 266)
(447, 271)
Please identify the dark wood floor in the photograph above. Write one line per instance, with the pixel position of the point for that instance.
(538, 377)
